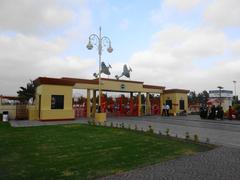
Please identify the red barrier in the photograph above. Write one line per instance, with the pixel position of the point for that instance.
(121, 106)
(80, 109)
(155, 106)
(103, 104)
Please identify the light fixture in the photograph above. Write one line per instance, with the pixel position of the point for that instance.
(110, 49)
(89, 45)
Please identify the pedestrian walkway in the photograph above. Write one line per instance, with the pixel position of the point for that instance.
(219, 164)
(27, 123)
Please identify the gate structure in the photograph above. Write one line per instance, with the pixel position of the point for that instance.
(121, 106)
(56, 98)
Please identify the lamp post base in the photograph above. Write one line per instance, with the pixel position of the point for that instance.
(100, 117)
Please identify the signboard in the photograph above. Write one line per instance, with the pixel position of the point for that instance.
(224, 93)
(122, 87)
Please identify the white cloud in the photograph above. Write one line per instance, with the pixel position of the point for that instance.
(171, 10)
(223, 13)
(29, 53)
(182, 5)
(235, 48)
(33, 16)
(23, 58)
(191, 44)
(172, 60)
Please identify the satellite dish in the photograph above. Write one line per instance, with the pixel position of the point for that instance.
(104, 69)
(126, 72)
(95, 75)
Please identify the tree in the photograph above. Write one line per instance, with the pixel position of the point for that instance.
(28, 92)
(192, 97)
(201, 97)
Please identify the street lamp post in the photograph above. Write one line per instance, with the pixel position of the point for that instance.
(220, 91)
(99, 41)
(235, 93)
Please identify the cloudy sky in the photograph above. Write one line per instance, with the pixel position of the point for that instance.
(190, 44)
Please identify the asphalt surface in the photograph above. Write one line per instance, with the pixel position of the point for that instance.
(219, 132)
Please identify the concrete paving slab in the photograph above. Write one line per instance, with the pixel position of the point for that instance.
(219, 164)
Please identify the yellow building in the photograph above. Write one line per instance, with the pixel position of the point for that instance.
(5, 106)
(54, 96)
(176, 99)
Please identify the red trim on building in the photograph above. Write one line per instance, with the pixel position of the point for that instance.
(76, 80)
(176, 91)
(10, 97)
(53, 81)
(154, 87)
(72, 81)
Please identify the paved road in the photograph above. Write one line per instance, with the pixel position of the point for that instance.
(219, 132)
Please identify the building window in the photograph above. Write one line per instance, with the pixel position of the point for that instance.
(57, 102)
(169, 102)
(181, 102)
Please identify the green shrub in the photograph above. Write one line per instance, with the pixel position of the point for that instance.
(207, 140)
(167, 132)
(135, 128)
(187, 136)
(196, 139)
(150, 129)
(236, 107)
(111, 125)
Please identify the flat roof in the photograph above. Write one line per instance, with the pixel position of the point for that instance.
(9, 97)
(76, 80)
(153, 87)
(53, 81)
(121, 80)
(67, 81)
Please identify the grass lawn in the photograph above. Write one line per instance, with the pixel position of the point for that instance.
(81, 151)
